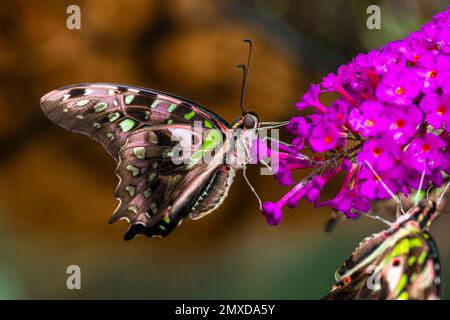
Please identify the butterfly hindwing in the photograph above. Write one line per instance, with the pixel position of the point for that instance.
(142, 129)
(154, 185)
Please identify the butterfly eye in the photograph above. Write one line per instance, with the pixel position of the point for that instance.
(249, 121)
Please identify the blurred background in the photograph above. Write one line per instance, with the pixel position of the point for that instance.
(56, 187)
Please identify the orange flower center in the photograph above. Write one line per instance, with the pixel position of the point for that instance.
(377, 152)
(416, 57)
(340, 116)
(432, 73)
(369, 123)
(400, 123)
(399, 91)
(441, 110)
(426, 147)
(327, 139)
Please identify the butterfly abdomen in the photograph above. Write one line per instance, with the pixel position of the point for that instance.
(213, 193)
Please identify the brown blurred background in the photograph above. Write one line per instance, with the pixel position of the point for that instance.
(56, 187)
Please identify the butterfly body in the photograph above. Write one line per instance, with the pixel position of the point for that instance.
(401, 262)
(160, 143)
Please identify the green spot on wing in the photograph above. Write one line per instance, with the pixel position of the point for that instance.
(213, 138)
(127, 124)
(190, 115)
(422, 257)
(151, 176)
(139, 152)
(415, 242)
(208, 124)
(170, 121)
(134, 171)
(113, 116)
(401, 248)
(167, 154)
(131, 190)
(133, 209)
(100, 107)
(401, 284)
(154, 104)
(403, 296)
(129, 98)
(172, 107)
(147, 193)
(82, 103)
(167, 219)
(411, 260)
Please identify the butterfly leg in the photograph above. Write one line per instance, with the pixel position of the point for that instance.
(244, 173)
(398, 212)
(266, 165)
(388, 190)
(375, 217)
(276, 140)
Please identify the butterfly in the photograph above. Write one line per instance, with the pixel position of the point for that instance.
(142, 129)
(401, 262)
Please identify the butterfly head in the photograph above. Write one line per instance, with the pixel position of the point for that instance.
(248, 120)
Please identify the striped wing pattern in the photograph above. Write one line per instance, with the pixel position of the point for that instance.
(139, 128)
(401, 263)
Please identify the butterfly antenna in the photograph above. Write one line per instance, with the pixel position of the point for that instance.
(245, 69)
(273, 126)
(378, 218)
(244, 173)
(396, 199)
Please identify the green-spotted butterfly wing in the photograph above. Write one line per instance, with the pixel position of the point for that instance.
(140, 129)
(399, 263)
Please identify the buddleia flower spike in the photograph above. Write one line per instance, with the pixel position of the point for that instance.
(387, 132)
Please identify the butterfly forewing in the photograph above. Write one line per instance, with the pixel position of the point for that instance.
(108, 113)
(142, 129)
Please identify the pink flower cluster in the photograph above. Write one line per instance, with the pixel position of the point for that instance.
(388, 132)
